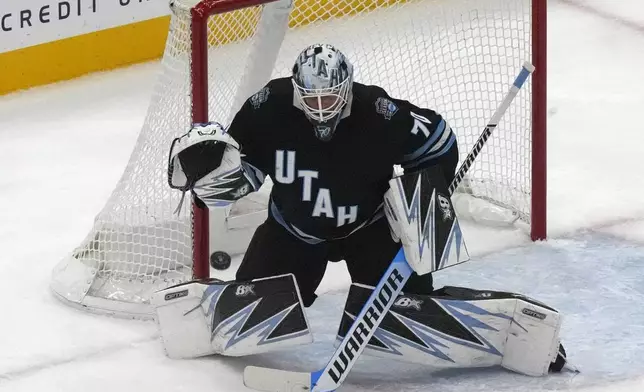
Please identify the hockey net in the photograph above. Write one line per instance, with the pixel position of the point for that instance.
(455, 56)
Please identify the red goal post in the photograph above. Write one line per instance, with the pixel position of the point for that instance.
(455, 56)
(539, 41)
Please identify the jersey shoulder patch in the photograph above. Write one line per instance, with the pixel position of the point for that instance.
(377, 98)
(275, 92)
(257, 99)
(386, 107)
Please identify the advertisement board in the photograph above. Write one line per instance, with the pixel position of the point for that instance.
(25, 23)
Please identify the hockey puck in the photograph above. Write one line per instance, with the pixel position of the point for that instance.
(220, 260)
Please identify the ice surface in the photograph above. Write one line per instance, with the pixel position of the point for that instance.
(595, 281)
(65, 146)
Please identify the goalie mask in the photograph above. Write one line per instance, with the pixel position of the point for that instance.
(322, 81)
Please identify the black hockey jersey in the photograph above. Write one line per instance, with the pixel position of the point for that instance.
(327, 190)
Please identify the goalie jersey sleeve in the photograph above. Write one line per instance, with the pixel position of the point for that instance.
(431, 142)
(422, 137)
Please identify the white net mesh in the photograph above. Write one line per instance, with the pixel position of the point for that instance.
(455, 56)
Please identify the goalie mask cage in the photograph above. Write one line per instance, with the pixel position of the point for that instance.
(457, 57)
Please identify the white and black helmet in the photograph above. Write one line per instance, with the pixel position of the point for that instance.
(322, 81)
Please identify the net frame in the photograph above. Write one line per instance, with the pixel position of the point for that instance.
(78, 277)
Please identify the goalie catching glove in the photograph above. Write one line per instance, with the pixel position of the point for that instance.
(207, 161)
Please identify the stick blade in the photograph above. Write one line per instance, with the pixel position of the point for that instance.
(276, 380)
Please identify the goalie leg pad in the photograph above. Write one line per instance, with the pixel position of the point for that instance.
(460, 327)
(201, 318)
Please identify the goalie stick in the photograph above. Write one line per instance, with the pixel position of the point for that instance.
(364, 326)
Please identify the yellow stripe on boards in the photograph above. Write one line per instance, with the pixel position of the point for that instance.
(310, 11)
(76, 56)
(240, 24)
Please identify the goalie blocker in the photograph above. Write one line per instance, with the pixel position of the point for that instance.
(201, 318)
(462, 327)
(421, 217)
